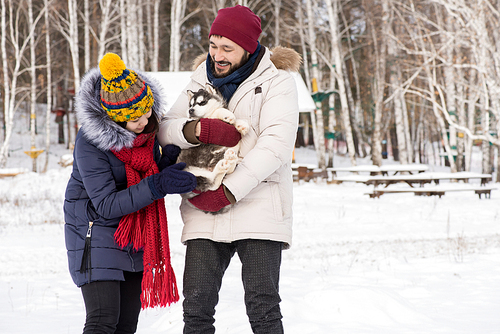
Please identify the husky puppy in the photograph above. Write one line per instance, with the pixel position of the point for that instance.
(208, 162)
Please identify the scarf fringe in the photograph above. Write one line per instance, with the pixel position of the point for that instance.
(159, 288)
(131, 233)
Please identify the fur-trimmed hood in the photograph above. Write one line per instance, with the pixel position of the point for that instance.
(282, 57)
(97, 127)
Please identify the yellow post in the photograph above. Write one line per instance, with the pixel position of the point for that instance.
(33, 154)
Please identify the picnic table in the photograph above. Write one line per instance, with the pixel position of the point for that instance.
(382, 170)
(439, 190)
(423, 178)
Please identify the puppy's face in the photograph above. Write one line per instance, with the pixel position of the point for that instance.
(202, 103)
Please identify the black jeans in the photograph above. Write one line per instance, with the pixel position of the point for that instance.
(113, 306)
(206, 262)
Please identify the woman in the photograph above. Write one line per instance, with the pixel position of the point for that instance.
(116, 227)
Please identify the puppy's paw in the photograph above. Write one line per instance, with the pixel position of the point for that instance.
(229, 118)
(242, 126)
(228, 163)
(230, 154)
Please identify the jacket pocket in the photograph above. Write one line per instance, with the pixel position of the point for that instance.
(277, 203)
(91, 213)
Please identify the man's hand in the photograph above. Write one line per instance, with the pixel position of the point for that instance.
(215, 131)
(211, 201)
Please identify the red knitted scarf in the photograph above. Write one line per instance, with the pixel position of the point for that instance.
(147, 228)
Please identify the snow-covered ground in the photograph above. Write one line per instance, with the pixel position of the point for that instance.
(398, 264)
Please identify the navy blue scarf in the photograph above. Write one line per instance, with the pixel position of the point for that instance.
(228, 85)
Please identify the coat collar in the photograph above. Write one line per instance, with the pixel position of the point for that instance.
(283, 58)
(278, 58)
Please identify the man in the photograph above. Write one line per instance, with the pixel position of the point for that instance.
(258, 224)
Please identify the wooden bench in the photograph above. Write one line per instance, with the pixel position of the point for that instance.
(308, 172)
(424, 178)
(432, 191)
(66, 160)
(9, 172)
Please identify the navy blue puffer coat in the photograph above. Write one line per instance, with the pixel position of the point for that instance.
(97, 190)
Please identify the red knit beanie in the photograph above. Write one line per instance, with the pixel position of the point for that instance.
(239, 24)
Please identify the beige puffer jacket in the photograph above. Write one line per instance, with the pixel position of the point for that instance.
(262, 183)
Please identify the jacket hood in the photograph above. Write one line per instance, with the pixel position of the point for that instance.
(283, 58)
(98, 128)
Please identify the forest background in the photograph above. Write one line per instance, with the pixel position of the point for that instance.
(401, 78)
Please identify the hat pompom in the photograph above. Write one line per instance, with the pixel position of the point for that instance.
(111, 66)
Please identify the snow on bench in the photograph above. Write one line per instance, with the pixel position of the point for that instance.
(432, 191)
(6, 172)
(66, 160)
(350, 178)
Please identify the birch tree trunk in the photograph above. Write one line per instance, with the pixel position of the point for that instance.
(132, 35)
(406, 123)
(450, 89)
(379, 83)
(333, 12)
(395, 81)
(176, 14)
(10, 83)
(355, 101)
(8, 116)
(86, 35)
(439, 118)
(105, 22)
(49, 85)
(124, 32)
(33, 85)
(319, 140)
(152, 19)
(305, 58)
(399, 114)
(485, 146)
(140, 40)
(156, 36)
(73, 42)
(462, 121)
(276, 9)
(471, 111)
(73, 46)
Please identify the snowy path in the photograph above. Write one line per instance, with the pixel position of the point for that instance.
(398, 264)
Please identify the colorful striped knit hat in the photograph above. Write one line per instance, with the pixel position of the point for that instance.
(124, 95)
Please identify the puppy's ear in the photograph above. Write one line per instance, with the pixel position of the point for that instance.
(190, 94)
(211, 89)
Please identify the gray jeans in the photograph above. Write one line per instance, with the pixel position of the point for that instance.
(206, 262)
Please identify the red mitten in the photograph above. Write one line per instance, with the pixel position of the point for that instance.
(215, 131)
(211, 201)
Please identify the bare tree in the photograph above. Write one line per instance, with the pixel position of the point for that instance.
(33, 85)
(109, 15)
(49, 84)
(380, 53)
(333, 14)
(18, 44)
(395, 85)
(176, 14)
(319, 139)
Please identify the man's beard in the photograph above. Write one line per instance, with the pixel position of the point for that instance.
(232, 67)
